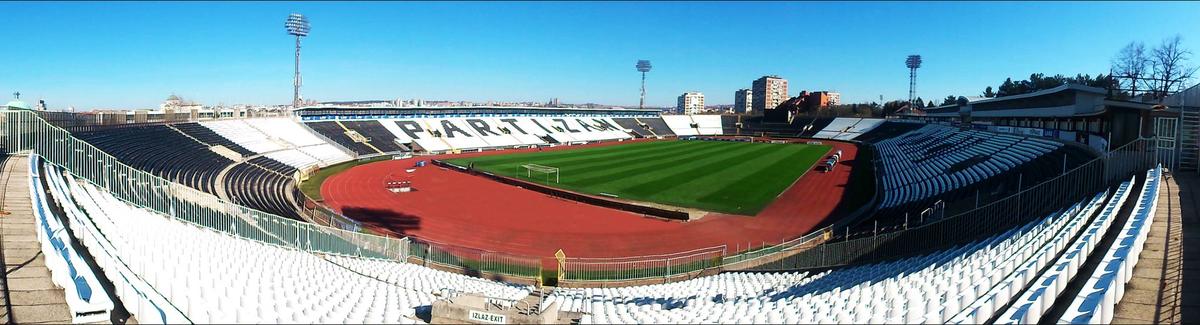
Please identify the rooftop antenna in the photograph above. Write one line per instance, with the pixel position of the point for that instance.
(643, 66)
(297, 25)
(913, 62)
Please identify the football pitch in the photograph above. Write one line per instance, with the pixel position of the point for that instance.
(729, 177)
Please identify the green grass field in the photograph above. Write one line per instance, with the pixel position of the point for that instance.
(730, 177)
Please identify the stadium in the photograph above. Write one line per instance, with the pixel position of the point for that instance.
(570, 215)
(1064, 204)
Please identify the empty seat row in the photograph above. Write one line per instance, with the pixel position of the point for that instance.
(848, 128)
(209, 137)
(86, 298)
(1097, 301)
(1046, 289)
(162, 151)
(169, 271)
(935, 159)
(967, 281)
(280, 138)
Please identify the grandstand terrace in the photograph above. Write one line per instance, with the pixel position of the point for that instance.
(1022, 256)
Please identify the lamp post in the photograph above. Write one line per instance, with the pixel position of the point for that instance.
(643, 66)
(297, 25)
(913, 62)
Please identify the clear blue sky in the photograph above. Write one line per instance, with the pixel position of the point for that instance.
(134, 54)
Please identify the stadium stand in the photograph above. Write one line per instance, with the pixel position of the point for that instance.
(168, 268)
(378, 136)
(452, 133)
(169, 271)
(521, 135)
(729, 124)
(708, 124)
(335, 132)
(195, 130)
(848, 128)
(282, 139)
(162, 151)
(887, 130)
(658, 126)
(253, 185)
(1039, 297)
(935, 159)
(967, 283)
(302, 287)
(87, 299)
(799, 127)
(681, 125)
(636, 126)
(1096, 302)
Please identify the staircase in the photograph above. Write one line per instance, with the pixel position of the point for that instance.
(646, 126)
(1189, 137)
(353, 135)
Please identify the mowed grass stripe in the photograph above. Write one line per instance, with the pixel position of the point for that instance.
(548, 156)
(589, 162)
(702, 168)
(768, 178)
(632, 171)
(576, 168)
(731, 177)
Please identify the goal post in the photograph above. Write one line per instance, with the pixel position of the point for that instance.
(531, 169)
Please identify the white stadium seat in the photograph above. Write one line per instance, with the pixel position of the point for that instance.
(279, 138)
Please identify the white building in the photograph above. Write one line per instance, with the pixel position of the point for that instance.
(691, 102)
(178, 104)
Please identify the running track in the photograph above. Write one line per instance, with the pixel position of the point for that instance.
(456, 208)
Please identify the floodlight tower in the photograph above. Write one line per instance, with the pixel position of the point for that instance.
(913, 62)
(643, 66)
(297, 25)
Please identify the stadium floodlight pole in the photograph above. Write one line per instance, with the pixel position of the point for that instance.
(297, 25)
(913, 62)
(643, 66)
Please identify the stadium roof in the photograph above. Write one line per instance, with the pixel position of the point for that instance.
(1063, 101)
(499, 108)
(1188, 97)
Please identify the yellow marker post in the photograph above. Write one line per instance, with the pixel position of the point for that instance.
(562, 261)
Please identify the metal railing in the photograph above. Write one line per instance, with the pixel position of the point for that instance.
(1027, 204)
(24, 131)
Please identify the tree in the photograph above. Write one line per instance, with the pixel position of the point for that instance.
(1131, 64)
(1169, 65)
(988, 92)
(919, 103)
(950, 100)
(890, 108)
(1008, 88)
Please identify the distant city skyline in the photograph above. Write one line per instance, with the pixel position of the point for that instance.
(133, 55)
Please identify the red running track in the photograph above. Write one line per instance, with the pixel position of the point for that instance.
(455, 208)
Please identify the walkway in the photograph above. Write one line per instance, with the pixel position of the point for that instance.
(34, 298)
(1158, 292)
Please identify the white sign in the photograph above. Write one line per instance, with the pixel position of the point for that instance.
(486, 317)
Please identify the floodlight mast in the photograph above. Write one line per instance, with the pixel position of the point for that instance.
(643, 66)
(913, 62)
(297, 25)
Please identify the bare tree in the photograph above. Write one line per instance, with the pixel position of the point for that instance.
(1131, 64)
(1169, 60)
